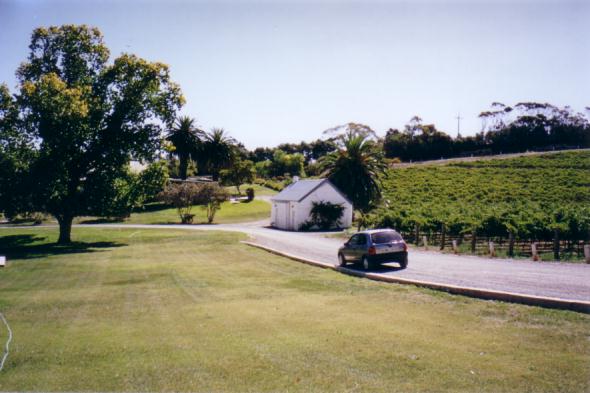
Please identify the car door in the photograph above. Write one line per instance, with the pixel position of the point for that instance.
(360, 247)
(350, 248)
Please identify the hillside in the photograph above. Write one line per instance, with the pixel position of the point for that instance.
(533, 198)
(446, 161)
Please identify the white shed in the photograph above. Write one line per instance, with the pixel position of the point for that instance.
(292, 206)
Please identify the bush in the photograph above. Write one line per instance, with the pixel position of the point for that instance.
(306, 226)
(187, 218)
(313, 169)
(116, 199)
(242, 171)
(36, 218)
(250, 194)
(183, 196)
(211, 195)
(326, 215)
(149, 183)
(273, 184)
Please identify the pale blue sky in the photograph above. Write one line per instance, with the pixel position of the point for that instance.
(273, 72)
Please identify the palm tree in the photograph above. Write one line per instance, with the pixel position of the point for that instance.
(218, 151)
(356, 168)
(186, 139)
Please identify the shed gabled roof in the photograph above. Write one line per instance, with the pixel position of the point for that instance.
(298, 191)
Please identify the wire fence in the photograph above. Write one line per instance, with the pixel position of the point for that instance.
(571, 249)
(7, 345)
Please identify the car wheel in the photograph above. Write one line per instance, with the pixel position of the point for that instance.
(366, 263)
(404, 262)
(341, 260)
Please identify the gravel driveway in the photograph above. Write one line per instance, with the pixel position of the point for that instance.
(570, 281)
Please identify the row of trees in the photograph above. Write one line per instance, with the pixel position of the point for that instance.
(212, 151)
(506, 129)
(309, 151)
(217, 154)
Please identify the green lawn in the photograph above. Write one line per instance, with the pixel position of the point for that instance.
(229, 213)
(156, 213)
(258, 190)
(171, 310)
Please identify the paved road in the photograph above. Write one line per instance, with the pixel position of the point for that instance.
(559, 280)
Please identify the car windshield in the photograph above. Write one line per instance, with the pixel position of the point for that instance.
(385, 237)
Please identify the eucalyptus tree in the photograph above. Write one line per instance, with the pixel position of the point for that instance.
(83, 119)
(346, 131)
(187, 140)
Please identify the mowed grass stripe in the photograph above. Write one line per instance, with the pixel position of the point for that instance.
(172, 310)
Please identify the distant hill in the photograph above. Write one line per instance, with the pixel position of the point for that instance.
(483, 158)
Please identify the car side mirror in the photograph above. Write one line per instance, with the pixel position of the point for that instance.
(346, 244)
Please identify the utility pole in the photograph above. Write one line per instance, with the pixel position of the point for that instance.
(458, 125)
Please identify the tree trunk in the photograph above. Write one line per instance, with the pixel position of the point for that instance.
(556, 244)
(210, 213)
(182, 166)
(510, 244)
(473, 241)
(417, 234)
(443, 236)
(65, 229)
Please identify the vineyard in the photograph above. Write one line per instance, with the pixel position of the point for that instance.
(513, 202)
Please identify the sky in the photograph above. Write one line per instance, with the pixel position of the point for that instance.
(271, 72)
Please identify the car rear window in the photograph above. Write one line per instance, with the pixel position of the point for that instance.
(385, 237)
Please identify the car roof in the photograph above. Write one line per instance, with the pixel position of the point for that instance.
(372, 231)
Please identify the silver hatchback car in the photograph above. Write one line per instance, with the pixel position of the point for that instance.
(374, 247)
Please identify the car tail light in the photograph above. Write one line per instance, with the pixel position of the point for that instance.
(405, 247)
(372, 250)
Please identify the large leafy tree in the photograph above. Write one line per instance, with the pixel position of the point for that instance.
(356, 168)
(81, 120)
(15, 153)
(218, 152)
(186, 139)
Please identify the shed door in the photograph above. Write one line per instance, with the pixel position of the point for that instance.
(282, 215)
(292, 219)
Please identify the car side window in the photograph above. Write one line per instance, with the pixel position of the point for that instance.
(353, 240)
(362, 240)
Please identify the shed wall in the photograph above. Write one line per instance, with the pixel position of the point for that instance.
(324, 193)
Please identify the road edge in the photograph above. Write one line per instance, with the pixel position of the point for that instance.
(486, 294)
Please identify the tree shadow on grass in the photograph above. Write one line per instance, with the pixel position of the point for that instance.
(102, 220)
(16, 247)
(148, 208)
(152, 207)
